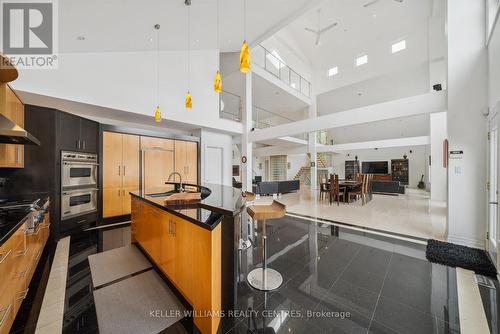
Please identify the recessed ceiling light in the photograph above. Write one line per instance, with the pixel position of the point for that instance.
(333, 71)
(399, 46)
(361, 60)
(80, 38)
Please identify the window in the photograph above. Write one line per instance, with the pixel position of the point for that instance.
(399, 46)
(333, 71)
(278, 168)
(362, 60)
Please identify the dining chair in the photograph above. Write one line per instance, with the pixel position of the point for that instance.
(323, 190)
(359, 191)
(336, 192)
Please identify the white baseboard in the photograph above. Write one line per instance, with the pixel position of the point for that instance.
(474, 243)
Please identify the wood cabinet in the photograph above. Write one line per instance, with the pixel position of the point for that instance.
(400, 170)
(11, 156)
(189, 255)
(186, 160)
(78, 134)
(19, 257)
(120, 172)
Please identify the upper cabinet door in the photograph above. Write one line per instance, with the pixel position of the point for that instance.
(156, 143)
(11, 156)
(70, 132)
(192, 162)
(180, 158)
(130, 161)
(89, 133)
(112, 160)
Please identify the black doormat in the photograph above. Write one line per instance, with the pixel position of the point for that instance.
(460, 256)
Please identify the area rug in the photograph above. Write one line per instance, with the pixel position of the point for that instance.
(460, 256)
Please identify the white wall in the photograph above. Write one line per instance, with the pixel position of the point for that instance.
(467, 97)
(439, 174)
(494, 67)
(387, 87)
(417, 160)
(296, 161)
(126, 81)
(380, 59)
(216, 140)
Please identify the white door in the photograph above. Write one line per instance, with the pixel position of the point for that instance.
(493, 194)
(213, 165)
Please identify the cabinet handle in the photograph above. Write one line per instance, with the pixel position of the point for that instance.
(119, 192)
(83, 144)
(175, 228)
(5, 311)
(119, 170)
(4, 255)
(19, 157)
(81, 221)
(169, 227)
(123, 170)
(123, 192)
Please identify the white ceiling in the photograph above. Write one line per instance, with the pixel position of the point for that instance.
(127, 25)
(358, 29)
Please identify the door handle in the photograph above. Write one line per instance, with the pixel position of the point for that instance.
(495, 203)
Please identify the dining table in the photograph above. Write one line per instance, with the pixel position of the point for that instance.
(349, 185)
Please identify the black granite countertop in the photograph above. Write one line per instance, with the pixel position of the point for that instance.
(217, 201)
(10, 220)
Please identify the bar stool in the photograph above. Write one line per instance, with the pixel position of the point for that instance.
(244, 244)
(265, 279)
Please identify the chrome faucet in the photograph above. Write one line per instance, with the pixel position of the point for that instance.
(181, 189)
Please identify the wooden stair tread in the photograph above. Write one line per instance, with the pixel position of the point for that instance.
(264, 212)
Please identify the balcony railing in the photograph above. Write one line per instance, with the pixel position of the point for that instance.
(274, 65)
(230, 106)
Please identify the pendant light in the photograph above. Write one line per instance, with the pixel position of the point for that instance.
(245, 51)
(189, 99)
(158, 110)
(218, 79)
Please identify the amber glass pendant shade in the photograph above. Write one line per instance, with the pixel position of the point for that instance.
(245, 58)
(218, 83)
(158, 114)
(189, 101)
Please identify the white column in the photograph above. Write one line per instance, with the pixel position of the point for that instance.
(439, 174)
(467, 128)
(313, 113)
(246, 145)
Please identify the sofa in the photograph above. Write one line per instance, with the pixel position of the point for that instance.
(276, 187)
(388, 187)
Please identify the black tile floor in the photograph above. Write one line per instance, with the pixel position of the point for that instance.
(343, 281)
(336, 280)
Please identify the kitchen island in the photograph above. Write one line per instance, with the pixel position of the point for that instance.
(192, 245)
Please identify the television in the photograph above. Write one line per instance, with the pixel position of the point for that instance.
(375, 167)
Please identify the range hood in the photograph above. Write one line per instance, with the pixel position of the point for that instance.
(11, 133)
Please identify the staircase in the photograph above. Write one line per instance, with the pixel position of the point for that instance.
(304, 173)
